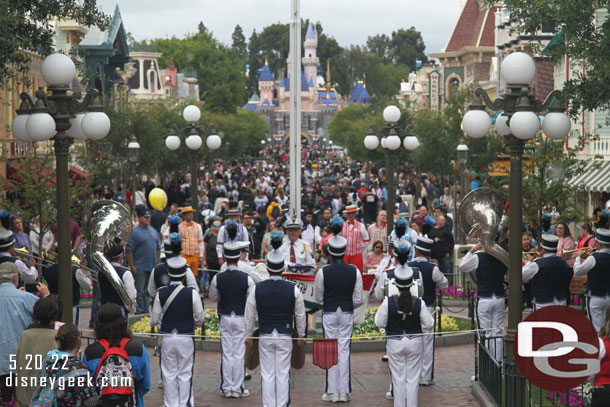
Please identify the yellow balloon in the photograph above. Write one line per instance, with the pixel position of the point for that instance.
(158, 198)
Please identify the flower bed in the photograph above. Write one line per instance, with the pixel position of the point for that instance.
(211, 325)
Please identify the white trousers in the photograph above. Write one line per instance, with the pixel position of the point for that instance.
(427, 369)
(177, 363)
(76, 315)
(405, 361)
(490, 314)
(274, 355)
(538, 305)
(596, 308)
(339, 325)
(232, 334)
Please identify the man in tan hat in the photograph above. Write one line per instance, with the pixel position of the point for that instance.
(192, 240)
(357, 238)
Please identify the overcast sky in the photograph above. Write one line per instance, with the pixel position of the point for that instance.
(349, 21)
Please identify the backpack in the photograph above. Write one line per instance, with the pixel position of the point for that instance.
(115, 363)
(46, 396)
(275, 212)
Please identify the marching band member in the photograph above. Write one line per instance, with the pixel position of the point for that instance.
(404, 317)
(388, 273)
(597, 269)
(108, 292)
(231, 231)
(79, 282)
(432, 278)
(177, 310)
(338, 286)
(27, 273)
(231, 289)
(357, 238)
(550, 275)
(403, 233)
(296, 251)
(243, 264)
(490, 274)
(277, 303)
(160, 277)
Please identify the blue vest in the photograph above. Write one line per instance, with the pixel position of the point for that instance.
(396, 325)
(108, 293)
(339, 283)
(490, 276)
(179, 316)
(598, 278)
(275, 306)
(426, 268)
(50, 275)
(161, 278)
(233, 288)
(552, 279)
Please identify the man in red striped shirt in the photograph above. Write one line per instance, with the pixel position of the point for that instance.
(357, 238)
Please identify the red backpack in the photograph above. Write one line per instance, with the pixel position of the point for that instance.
(115, 365)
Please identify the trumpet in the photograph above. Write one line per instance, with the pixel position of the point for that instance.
(531, 253)
(50, 257)
(584, 251)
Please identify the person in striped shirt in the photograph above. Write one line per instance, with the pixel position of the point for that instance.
(192, 240)
(357, 238)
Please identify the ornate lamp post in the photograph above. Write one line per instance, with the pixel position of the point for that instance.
(462, 158)
(191, 115)
(134, 150)
(517, 124)
(390, 144)
(62, 117)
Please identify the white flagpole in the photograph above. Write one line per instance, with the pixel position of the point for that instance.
(295, 110)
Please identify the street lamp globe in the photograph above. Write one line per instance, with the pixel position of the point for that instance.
(371, 142)
(502, 125)
(76, 131)
(393, 142)
(476, 123)
(133, 145)
(391, 114)
(193, 142)
(58, 69)
(384, 142)
(18, 127)
(410, 143)
(95, 125)
(524, 125)
(462, 154)
(40, 126)
(556, 125)
(263, 142)
(172, 142)
(518, 68)
(213, 142)
(191, 114)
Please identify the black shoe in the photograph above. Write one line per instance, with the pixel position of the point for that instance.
(384, 358)
(247, 376)
(91, 324)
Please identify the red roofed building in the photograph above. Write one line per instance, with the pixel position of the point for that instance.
(468, 57)
(170, 79)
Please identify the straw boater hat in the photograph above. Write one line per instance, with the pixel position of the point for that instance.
(350, 209)
(186, 209)
(602, 236)
(233, 212)
(549, 242)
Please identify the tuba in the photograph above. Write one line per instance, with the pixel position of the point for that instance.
(478, 218)
(109, 219)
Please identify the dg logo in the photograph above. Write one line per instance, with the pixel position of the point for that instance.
(557, 348)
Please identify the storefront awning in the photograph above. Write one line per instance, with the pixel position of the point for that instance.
(594, 178)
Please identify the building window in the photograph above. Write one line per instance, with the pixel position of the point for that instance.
(452, 86)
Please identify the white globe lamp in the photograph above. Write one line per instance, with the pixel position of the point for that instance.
(193, 142)
(518, 68)
(58, 69)
(40, 126)
(502, 125)
(391, 114)
(95, 125)
(524, 125)
(18, 127)
(172, 142)
(393, 142)
(476, 123)
(76, 130)
(556, 125)
(410, 143)
(213, 142)
(371, 142)
(191, 114)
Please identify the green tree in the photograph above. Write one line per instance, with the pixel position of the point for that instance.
(379, 45)
(24, 29)
(583, 33)
(201, 28)
(406, 46)
(239, 42)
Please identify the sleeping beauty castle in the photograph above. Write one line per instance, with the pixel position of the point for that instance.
(319, 99)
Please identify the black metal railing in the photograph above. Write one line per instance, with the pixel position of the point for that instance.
(490, 369)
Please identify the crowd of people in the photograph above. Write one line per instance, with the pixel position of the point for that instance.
(234, 247)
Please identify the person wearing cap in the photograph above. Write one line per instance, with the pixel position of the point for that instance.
(223, 235)
(79, 282)
(280, 309)
(243, 265)
(160, 277)
(404, 319)
(231, 288)
(550, 275)
(296, 251)
(107, 290)
(433, 279)
(491, 274)
(143, 253)
(357, 238)
(191, 236)
(27, 273)
(177, 311)
(597, 269)
(338, 287)
(16, 310)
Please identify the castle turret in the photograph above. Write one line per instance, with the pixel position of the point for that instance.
(310, 60)
(265, 84)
